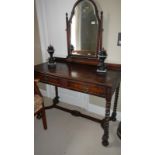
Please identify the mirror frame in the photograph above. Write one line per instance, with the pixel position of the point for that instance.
(81, 58)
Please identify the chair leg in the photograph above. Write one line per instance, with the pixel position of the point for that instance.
(44, 119)
(39, 115)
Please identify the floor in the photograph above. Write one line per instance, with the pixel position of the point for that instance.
(70, 135)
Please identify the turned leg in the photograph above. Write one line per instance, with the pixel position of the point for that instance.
(44, 119)
(106, 123)
(56, 99)
(114, 113)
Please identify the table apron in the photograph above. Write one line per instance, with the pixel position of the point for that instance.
(83, 87)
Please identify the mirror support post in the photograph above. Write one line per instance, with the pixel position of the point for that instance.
(67, 31)
(101, 31)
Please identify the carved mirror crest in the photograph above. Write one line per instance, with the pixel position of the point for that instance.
(84, 30)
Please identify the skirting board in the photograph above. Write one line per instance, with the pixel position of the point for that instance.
(90, 107)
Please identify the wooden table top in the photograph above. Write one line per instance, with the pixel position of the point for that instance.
(80, 72)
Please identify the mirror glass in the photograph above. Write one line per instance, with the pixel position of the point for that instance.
(84, 30)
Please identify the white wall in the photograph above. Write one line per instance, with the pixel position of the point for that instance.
(56, 23)
(52, 25)
(37, 47)
(112, 25)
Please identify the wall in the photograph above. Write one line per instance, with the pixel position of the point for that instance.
(37, 45)
(112, 25)
(52, 25)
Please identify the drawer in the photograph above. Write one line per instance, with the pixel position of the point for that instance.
(97, 90)
(41, 77)
(87, 88)
(57, 81)
(53, 81)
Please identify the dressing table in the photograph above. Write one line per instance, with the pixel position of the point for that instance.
(78, 71)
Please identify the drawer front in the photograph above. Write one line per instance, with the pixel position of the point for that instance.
(53, 81)
(57, 82)
(87, 88)
(97, 90)
(41, 77)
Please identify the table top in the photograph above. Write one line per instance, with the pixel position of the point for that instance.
(80, 72)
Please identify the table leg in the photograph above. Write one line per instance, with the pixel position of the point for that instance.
(106, 122)
(114, 113)
(56, 99)
(107, 118)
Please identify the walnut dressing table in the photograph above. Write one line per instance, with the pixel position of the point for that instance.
(83, 78)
